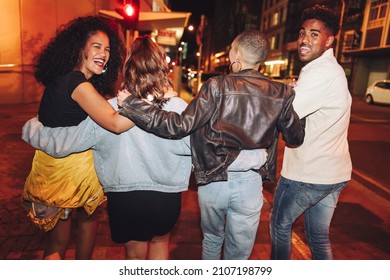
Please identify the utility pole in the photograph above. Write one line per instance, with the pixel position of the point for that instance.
(199, 40)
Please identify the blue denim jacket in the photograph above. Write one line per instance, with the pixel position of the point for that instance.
(133, 160)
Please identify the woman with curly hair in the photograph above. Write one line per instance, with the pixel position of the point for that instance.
(75, 67)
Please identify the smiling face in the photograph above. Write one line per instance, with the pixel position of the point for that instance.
(95, 54)
(313, 40)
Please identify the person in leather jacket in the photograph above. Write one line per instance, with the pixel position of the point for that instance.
(242, 110)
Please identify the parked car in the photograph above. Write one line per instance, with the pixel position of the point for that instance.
(198, 81)
(378, 92)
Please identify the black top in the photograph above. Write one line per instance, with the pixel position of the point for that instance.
(57, 107)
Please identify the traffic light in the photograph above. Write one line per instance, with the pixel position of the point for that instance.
(130, 13)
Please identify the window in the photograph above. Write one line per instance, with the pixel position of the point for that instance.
(383, 85)
(378, 9)
(274, 42)
(382, 12)
(373, 13)
(348, 40)
(376, 23)
(275, 19)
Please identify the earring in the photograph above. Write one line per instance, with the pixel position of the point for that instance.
(105, 68)
(231, 66)
(150, 97)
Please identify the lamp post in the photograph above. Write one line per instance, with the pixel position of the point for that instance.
(199, 40)
(199, 54)
(180, 55)
(177, 70)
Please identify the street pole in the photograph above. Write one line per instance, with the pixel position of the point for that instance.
(199, 39)
(199, 57)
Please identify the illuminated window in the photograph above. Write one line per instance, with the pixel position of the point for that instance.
(272, 43)
(275, 19)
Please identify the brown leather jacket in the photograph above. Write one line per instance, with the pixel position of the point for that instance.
(245, 110)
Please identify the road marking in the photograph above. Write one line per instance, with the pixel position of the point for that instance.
(372, 181)
(301, 246)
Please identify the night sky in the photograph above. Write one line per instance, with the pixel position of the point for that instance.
(196, 7)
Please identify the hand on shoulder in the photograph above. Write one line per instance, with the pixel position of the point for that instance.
(170, 93)
(122, 95)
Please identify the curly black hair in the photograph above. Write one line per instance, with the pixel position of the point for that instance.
(324, 14)
(63, 53)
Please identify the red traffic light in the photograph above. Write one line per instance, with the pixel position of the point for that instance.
(128, 10)
(130, 13)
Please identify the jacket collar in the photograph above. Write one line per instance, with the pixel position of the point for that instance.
(328, 54)
(248, 72)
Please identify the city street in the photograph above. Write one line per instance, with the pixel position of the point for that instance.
(359, 231)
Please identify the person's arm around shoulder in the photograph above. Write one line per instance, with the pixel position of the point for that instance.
(97, 107)
(60, 141)
(289, 124)
(170, 124)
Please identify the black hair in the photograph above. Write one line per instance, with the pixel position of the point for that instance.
(324, 14)
(63, 53)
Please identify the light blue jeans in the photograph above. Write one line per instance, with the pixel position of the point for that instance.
(317, 203)
(230, 215)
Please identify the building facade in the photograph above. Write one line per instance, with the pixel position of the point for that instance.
(231, 18)
(369, 52)
(27, 25)
(362, 46)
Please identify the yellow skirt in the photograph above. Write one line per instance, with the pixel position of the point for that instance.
(56, 185)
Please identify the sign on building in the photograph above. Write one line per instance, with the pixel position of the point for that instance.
(166, 37)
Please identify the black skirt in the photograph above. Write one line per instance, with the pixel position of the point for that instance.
(142, 215)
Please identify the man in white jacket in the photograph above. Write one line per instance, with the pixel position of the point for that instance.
(314, 174)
